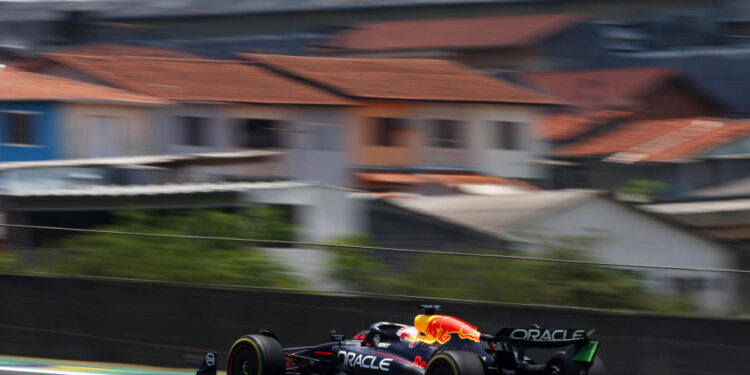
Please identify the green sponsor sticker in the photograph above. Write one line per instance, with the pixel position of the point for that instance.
(587, 353)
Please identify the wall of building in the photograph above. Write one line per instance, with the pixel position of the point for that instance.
(313, 139)
(44, 130)
(678, 178)
(634, 238)
(168, 137)
(738, 147)
(130, 133)
(392, 226)
(361, 139)
(320, 213)
(507, 163)
(309, 154)
(477, 130)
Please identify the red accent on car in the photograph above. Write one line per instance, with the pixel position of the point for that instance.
(419, 362)
(318, 352)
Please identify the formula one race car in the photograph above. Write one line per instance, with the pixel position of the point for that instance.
(434, 345)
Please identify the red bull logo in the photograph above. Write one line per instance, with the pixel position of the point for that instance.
(439, 328)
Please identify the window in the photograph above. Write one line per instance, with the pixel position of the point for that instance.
(386, 131)
(256, 133)
(195, 131)
(445, 134)
(20, 128)
(508, 135)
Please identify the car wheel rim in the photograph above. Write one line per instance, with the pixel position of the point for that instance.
(244, 362)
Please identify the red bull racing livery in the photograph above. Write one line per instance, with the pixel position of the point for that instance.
(434, 345)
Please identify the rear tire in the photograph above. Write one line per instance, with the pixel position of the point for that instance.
(455, 363)
(555, 364)
(256, 355)
(597, 368)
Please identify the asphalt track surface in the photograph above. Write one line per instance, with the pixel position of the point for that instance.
(33, 366)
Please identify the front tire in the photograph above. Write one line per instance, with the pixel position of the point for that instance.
(256, 355)
(455, 363)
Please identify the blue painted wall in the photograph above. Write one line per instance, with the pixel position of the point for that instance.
(45, 132)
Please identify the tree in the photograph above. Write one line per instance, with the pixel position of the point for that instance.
(503, 280)
(205, 261)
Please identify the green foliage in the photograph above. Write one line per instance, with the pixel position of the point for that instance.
(207, 261)
(8, 260)
(644, 188)
(358, 270)
(505, 280)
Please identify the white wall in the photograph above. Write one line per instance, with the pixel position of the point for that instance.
(635, 238)
(480, 152)
(322, 213)
(302, 160)
(128, 130)
(508, 163)
(310, 160)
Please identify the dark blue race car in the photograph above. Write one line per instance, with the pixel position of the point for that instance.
(434, 345)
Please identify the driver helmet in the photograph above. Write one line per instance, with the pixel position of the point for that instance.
(407, 333)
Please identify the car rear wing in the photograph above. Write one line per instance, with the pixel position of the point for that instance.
(544, 338)
(583, 349)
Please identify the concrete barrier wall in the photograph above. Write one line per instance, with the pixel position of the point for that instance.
(173, 326)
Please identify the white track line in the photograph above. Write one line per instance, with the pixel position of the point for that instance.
(48, 371)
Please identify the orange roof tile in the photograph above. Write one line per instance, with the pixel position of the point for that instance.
(441, 178)
(390, 178)
(99, 49)
(183, 79)
(565, 126)
(703, 142)
(401, 79)
(35, 63)
(454, 33)
(660, 140)
(598, 89)
(17, 85)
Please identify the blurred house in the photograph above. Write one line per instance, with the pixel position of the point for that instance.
(524, 42)
(683, 153)
(648, 91)
(426, 115)
(43, 117)
(526, 221)
(222, 106)
(721, 213)
(627, 124)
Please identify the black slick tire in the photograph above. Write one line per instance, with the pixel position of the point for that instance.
(455, 363)
(256, 355)
(555, 364)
